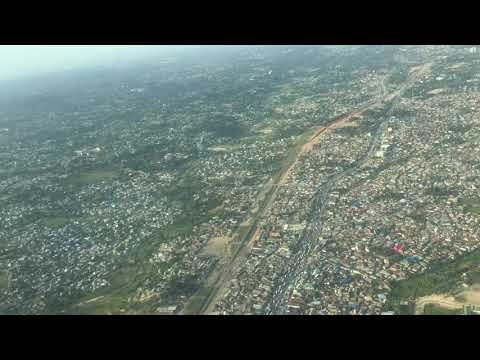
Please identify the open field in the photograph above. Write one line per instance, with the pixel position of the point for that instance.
(441, 284)
(56, 221)
(445, 304)
(470, 295)
(94, 177)
(248, 233)
(217, 246)
(241, 241)
(3, 279)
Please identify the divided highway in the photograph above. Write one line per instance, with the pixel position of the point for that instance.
(286, 282)
(218, 279)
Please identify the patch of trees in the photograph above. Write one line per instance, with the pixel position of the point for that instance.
(440, 278)
(439, 191)
(179, 286)
(225, 126)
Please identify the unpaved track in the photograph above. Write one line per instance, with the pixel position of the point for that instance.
(224, 272)
(310, 237)
(447, 302)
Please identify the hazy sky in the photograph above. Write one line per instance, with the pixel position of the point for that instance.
(25, 60)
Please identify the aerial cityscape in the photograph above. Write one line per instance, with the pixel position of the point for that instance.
(245, 180)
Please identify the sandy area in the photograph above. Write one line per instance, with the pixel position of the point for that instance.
(313, 141)
(218, 149)
(457, 65)
(348, 120)
(445, 301)
(265, 131)
(255, 238)
(218, 208)
(437, 91)
(344, 124)
(94, 299)
(424, 69)
(217, 246)
(470, 296)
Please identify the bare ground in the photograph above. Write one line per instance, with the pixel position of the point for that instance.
(470, 296)
(217, 246)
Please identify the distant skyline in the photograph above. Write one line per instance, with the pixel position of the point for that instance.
(18, 61)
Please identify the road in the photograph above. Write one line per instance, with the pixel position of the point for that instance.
(216, 282)
(220, 277)
(287, 280)
(223, 273)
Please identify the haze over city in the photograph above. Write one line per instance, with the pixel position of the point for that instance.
(26, 60)
(240, 180)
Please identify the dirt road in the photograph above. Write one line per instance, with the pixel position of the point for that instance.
(248, 232)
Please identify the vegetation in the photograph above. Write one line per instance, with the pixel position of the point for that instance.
(56, 221)
(398, 76)
(3, 279)
(94, 177)
(434, 309)
(471, 205)
(443, 277)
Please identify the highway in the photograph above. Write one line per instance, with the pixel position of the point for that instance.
(286, 281)
(216, 281)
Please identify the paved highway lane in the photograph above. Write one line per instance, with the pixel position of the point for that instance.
(287, 280)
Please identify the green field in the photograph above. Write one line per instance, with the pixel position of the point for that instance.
(244, 232)
(97, 176)
(94, 177)
(3, 279)
(56, 221)
(471, 205)
(113, 298)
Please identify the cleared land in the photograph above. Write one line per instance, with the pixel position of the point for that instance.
(470, 296)
(205, 299)
(442, 285)
(217, 246)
